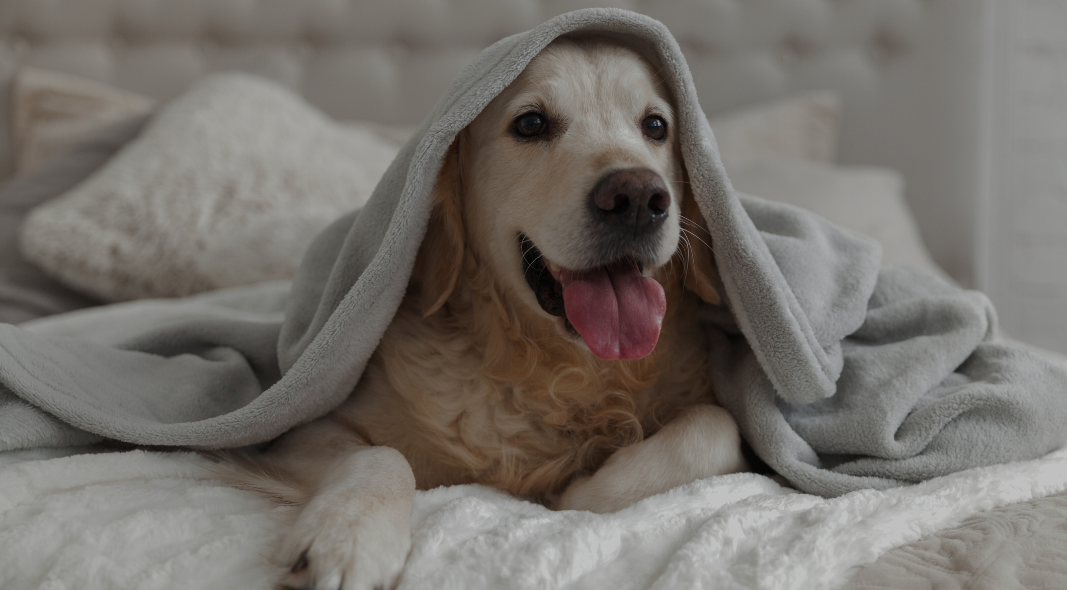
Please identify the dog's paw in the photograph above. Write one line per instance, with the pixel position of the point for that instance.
(347, 542)
(592, 494)
(702, 441)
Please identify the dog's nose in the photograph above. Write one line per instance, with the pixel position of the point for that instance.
(636, 199)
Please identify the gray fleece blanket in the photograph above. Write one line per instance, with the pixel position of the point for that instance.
(841, 374)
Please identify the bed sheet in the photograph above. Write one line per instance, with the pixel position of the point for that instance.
(156, 521)
(1022, 545)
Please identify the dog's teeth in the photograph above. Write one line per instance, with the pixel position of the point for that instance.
(552, 266)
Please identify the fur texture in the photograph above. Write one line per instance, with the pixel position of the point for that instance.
(474, 381)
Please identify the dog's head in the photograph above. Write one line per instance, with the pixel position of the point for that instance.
(570, 187)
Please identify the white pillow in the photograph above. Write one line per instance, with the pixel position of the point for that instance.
(227, 185)
(802, 127)
(866, 199)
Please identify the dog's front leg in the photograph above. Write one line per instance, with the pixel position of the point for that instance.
(700, 442)
(355, 532)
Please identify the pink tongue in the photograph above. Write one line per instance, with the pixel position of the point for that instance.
(617, 311)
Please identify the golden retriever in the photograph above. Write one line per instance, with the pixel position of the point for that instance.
(547, 344)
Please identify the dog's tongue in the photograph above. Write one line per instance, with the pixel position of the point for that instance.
(617, 311)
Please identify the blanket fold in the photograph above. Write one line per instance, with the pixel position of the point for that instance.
(842, 375)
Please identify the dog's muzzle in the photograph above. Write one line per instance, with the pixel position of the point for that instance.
(630, 202)
(609, 302)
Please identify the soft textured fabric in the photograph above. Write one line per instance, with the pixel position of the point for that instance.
(842, 376)
(865, 199)
(231, 181)
(226, 186)
(802, 127)
(156, 521)
(1018, 546)
(25, 291)
(52, 112)
(1021, 545)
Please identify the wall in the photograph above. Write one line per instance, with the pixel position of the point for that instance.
(1022, 254)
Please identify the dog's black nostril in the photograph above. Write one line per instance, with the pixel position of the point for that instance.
(659, 203)
(632, 200)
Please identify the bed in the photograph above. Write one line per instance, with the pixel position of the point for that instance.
(91, 516)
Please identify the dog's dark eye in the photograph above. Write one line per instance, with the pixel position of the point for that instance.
(654, 127)
(530, 125)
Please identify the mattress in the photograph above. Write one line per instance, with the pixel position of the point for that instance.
(86, 518)
(1023, 545)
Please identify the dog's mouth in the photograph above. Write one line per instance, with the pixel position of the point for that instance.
(615, 309)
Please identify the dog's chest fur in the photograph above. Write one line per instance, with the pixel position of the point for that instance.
(477, 393)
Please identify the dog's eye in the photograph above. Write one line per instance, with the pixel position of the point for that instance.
(654, 127)
(530, 125)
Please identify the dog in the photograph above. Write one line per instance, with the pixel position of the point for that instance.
(547, 344)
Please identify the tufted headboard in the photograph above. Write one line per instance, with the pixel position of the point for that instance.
(909, 70)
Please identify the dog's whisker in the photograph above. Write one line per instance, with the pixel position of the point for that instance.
(533, 262)
(698, 238)
(689, 255)
(696, 234)
(672, 273)
(684, 219)
(530, 264)
(528, 250)
(692, 224)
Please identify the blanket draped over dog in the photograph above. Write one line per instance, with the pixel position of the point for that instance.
(842, 375)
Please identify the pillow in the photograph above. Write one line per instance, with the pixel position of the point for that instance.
(26, 292)
(52, 112)
(227, 185)
(868, 200)
(170, 218)
(800, 127)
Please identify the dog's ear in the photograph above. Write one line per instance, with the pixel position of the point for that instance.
(700, 270)
(441, 256)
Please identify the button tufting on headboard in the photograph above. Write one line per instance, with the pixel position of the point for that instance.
(390, 60)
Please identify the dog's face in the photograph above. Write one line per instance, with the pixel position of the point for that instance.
(571, 183)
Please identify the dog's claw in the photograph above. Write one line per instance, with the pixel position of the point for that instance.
(301, 563)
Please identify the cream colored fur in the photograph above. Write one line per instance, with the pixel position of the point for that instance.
(473, 382)
(701, 440)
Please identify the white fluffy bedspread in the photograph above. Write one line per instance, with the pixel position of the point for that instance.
(148, 521)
